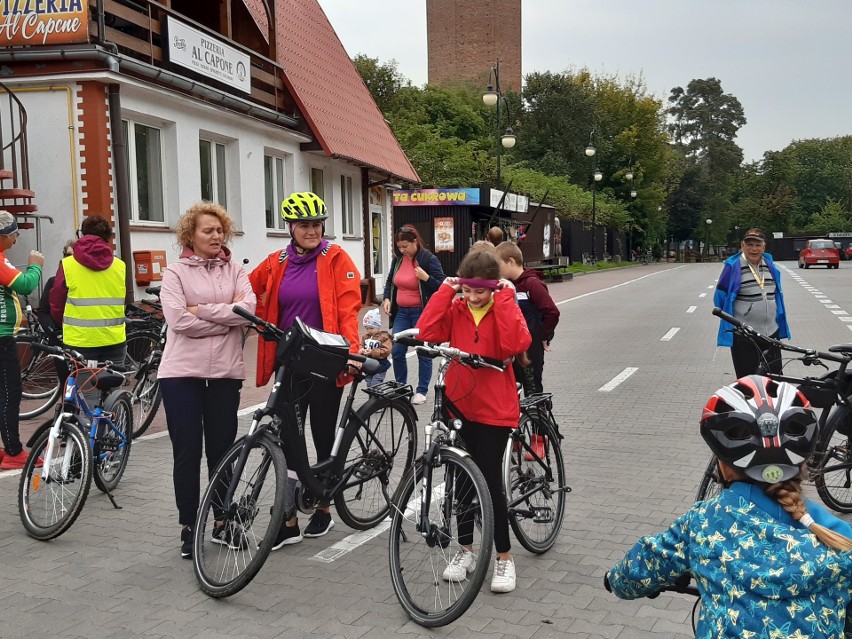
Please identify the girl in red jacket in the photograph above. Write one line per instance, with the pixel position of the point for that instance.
(486, 321)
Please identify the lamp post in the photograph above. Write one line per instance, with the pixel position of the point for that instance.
(597, 176)
(707, 239)
(494, 96)
(633, 194)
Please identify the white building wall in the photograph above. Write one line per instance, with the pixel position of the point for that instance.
(55, 158)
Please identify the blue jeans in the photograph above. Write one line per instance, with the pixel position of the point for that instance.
(379, 377)
(407, 318)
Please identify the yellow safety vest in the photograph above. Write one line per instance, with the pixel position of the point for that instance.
(94, 310)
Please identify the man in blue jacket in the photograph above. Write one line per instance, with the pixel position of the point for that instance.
(749, 288)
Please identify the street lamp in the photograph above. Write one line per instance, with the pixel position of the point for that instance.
(493, 96)
(597, 176)
(707, 239)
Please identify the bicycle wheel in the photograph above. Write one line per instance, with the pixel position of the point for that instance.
(226, 562)
(384, 448)
(40, 382)
(142, 383)
(146, 397)
(50, 499)
(112, 443)
(833, 474)
(711, 483)
(419, 563)
(535, 488)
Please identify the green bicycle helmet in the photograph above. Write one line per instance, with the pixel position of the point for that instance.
(303, 207)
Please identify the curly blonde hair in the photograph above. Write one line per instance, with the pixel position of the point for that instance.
(187, 223)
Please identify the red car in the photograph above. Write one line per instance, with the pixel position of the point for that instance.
(820, 253)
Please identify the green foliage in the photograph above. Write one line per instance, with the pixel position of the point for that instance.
(832, 217)
(383, 80)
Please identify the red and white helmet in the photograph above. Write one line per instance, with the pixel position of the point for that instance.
(764, 428)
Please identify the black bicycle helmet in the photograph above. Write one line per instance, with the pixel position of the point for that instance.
(304, 207)
(762, 427)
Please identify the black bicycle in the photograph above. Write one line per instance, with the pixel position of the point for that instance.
(146, 339)
(446, 484)
(830, 464)
(246, 501)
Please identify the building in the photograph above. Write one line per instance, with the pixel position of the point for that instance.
(136, 109)
(467, 37)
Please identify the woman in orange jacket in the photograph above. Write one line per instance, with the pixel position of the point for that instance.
(316, 281)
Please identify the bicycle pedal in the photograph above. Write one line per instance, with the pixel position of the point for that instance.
(543, 515)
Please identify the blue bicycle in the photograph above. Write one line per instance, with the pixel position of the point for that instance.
(78, 443)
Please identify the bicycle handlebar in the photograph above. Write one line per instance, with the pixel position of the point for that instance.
(750, 332)
(267, 329)
(682, 585)
(434, 350)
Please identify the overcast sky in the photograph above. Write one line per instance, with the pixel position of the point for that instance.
(787, 61)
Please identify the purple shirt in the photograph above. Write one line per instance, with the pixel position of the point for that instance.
(298, 295)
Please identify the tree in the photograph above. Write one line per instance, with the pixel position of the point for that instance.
(384, 81)
(705, 121)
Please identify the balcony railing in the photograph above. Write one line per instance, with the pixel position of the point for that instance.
(137, 28)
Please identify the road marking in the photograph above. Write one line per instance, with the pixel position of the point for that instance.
(615, 381)
(832, 306)
(691, 309)
(711, 286)
(840, 312)
(609, 288)
(845, 319)
(352, 542)
(668, 336)
(703, 295)
(248, 410)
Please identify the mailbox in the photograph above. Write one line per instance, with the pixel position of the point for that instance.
(149, 266)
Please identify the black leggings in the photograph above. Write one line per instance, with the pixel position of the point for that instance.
(486, 444)
(10, 395)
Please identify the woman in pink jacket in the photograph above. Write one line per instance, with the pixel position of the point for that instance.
(202, 370)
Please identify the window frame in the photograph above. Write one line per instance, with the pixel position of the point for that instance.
(218, 154)
(129, 124)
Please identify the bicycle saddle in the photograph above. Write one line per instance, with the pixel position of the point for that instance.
(107, 379)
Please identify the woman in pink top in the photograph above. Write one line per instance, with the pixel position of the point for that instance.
(414, 276)
(202, 370)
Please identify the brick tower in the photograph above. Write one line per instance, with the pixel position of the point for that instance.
(467, 37)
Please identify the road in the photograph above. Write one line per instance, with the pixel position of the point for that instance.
(633, 362)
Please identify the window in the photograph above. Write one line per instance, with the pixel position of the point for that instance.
(273, 177)
(145, 171)
(213, 172)
(347, 209)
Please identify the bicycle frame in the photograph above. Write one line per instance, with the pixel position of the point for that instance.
(84, 417)
(287, 429)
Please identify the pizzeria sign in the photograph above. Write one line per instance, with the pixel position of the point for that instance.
(40, 22)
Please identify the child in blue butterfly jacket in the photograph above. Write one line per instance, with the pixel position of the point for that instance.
(767, 563)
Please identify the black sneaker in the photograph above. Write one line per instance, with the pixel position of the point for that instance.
(287, 536)
(229, 535)
(320, 523)
(186, 542)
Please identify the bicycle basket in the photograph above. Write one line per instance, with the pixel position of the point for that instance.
(312, 353)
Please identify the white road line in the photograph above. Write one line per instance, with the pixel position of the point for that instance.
(711, 286)
(248, 410)
(691, 309)
(609, 288)
(832, 306)
(615, 381)
(668, 336)
(703, 295)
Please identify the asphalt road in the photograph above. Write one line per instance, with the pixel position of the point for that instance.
(633, 362)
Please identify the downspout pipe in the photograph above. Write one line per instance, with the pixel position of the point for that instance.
(119, 157)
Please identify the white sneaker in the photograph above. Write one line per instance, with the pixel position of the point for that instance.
(462, 563)
(503, 579)
(419, 398)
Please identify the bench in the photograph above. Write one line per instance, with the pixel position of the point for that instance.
(553, 272)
